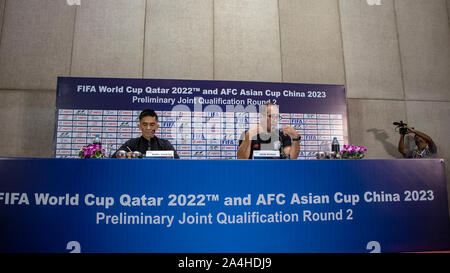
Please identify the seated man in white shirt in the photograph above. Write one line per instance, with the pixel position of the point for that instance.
(267, 136)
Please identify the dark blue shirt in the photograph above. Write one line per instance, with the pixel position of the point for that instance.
(141, 144)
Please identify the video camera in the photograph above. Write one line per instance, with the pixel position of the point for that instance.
(402, 127)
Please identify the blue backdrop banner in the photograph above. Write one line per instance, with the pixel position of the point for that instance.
(220, 206)
(202, 119)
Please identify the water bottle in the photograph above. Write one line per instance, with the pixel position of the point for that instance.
(335, 145)
(97, 141)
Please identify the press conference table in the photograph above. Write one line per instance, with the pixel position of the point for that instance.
(220, 206)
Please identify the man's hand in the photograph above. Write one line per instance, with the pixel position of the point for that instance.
(243, 151)
(253, 131)
(294, 149)
(410, 130)
(289, 131)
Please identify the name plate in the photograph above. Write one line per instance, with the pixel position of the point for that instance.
(159, 154)
(266, 154)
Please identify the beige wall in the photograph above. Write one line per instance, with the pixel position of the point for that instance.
(394, 59)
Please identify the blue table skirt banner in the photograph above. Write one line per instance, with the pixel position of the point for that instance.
(222, 206)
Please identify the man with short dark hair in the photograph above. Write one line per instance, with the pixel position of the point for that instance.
(426, 147)
(148, 123)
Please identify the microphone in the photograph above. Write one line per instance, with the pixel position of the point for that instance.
(157, 143)
(278, 143)
(282, 154)
(150, 141)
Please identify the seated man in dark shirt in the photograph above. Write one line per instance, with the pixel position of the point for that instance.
(148, 123)
(267, 136)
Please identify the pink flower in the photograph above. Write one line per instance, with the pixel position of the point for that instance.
(91, 151)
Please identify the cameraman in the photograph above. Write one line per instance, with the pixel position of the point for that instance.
(425, 145)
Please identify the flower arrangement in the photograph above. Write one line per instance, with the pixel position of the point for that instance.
(353, 152)
(92, 151)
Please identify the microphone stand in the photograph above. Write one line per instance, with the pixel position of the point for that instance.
(282, 154)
